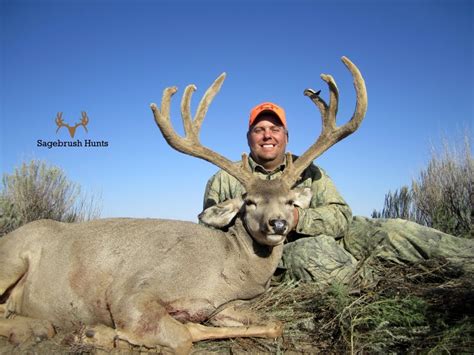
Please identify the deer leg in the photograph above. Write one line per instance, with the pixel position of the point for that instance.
(203, 332)
(13, 275)
(234, 322)
(166, 332)
(12, 269)
(19, 329)
(140, 319)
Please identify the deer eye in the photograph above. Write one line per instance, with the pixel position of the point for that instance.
(290, 202)
(250, 203)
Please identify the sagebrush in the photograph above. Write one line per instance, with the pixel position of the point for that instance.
(37, 190)
(442, 196)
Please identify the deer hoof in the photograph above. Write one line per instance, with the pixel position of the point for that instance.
(32, 330)
(102, 337)
(99, 336)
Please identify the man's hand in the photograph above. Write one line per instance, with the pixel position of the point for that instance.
(296, 217)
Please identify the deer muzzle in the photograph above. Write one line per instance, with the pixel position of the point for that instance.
(278, 226)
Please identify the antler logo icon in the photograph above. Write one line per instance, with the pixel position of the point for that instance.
(72, 130)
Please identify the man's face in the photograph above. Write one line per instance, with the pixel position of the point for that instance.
(267, 140)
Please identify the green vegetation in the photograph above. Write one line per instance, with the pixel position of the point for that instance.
(442, 196)
(36, 191)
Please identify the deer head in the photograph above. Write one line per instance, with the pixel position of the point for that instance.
(267, 206)
(72, 130)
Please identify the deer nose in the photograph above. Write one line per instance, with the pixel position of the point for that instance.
(279, 225)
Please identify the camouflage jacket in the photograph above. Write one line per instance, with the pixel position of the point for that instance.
(328, 213)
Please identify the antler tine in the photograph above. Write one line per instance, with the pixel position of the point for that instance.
(362, 101)
(190, 144)
(207, 99)
(59, 121)
(318, 101)
(186, 112)
(330, 133)
(84, 120)
(59, 117)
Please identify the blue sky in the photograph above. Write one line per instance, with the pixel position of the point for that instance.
(113, 58)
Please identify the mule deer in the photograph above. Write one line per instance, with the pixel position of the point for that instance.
(150, 282)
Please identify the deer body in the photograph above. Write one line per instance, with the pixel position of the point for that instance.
(148, 281)
(122, 256)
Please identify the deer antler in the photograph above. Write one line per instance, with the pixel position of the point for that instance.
(330, 133)
(190, 144)
(72, 130)
(59, 121)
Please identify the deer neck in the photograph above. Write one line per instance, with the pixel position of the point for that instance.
(262, 260)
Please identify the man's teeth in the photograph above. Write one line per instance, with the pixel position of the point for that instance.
(268, 146)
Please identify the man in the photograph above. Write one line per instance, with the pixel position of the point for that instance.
(320, 227)
(327, 243)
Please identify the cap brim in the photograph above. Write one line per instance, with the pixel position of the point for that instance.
(271, 112)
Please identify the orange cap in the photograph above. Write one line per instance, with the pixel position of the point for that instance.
(269, 107)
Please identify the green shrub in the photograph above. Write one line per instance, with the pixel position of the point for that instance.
(37, 191)
(442, 196)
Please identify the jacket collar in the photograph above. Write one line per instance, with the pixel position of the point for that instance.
(259, 168)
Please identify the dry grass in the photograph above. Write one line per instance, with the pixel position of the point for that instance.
(424, 308)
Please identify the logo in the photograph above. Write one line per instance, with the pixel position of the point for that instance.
(72, 130)
(77, 143)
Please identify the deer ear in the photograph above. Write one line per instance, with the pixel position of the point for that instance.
(303, 196)
(222, 214)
